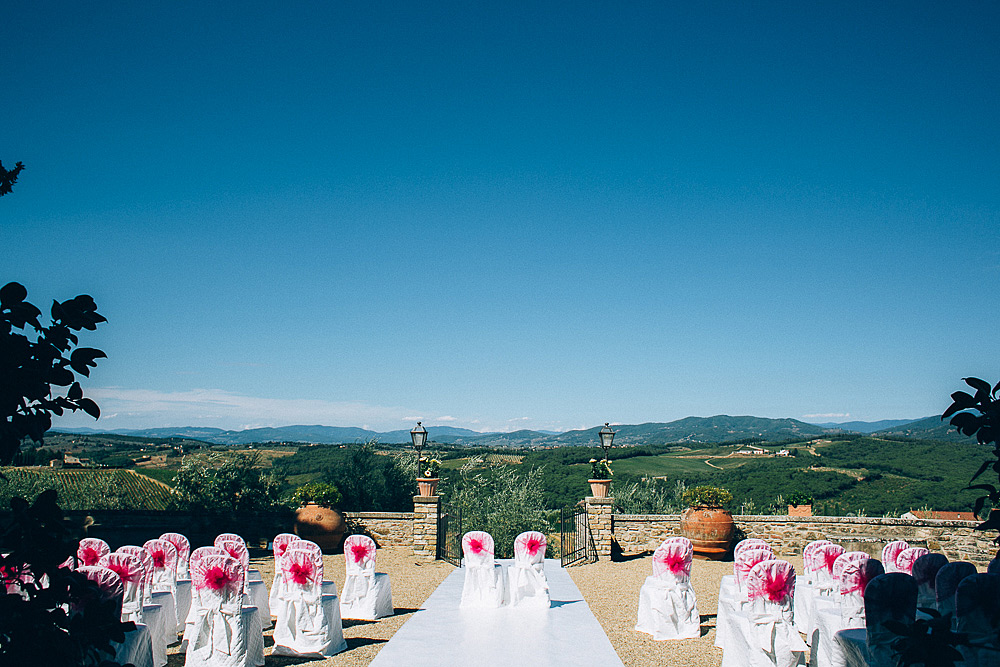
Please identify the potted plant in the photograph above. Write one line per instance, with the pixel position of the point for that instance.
(706, 522)
(979, 416)
(600, 482)
(800, 504)
(316, 519)
(428, 470)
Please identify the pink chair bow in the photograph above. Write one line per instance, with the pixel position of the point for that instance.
(478, 544)
(360, 550)
(672, 558)
(236, 549)
(854, 578)
(890, 553)
(163, 553)
(772, 580)
(91, 550)
(183, 547)
(218, 573)
(809, 555)
(145, 560)
(301, 568)
(746, 561)
(281, 543)
(826, 556)
(530, 544)
(127, 566)
(842, 562)
(906, 558)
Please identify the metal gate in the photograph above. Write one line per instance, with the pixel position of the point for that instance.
(449, 534)
(574, 536)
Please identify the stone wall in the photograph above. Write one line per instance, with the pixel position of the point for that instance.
(424, 526)
(788, 535)
(388, 529)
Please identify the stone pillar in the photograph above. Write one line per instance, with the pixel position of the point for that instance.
(599, 520)
(425, 527)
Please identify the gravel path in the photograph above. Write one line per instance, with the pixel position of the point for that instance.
(612, 593)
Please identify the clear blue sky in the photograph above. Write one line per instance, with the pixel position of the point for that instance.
(531, 215)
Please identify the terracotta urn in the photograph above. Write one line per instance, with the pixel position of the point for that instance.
(427, 486)
(599, 488)
(320, 524)
(710, 530)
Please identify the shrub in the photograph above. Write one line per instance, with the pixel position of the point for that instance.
(600, 469)
(316, 492)
(501, 501)
(650, 496)
(372, 482)
(221, 483)
(707, 496)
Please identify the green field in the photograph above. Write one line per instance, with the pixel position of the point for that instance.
(88, 489)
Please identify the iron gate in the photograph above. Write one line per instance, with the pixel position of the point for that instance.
(449, 534)
(574, 536)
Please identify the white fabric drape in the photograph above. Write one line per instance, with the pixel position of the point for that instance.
(367, 594)
(485, 581)
(222, 634)
(526, 582)
(308, 622)
(667, 604)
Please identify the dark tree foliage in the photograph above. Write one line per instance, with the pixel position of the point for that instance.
(979, 415)
(35, 358)
(35, 627)
(9, 178)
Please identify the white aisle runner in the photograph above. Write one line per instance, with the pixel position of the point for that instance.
(442, 634)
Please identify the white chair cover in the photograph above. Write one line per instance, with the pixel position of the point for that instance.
(804, 603)
(837, 571)
(907, 557)
(485, 583)
(183, 547)
(329, 587)
(132, 570)
(749, 543)
(823, 560)
(228, 536)
(924, 572)
(253, 584)
(164, 557)
(367, 594)
(889, 554)
(977, 615)
(746, 561)
(279, 545)
(196, 557)
(680, 539)
(527, 585)
(159, 610)
(850, 580)
(892, 596)
(763, 635)
(137, 649)
(667, 605)
(808, 560)
(221, 633)
(91, 550)
(308, 621)
(946, 583)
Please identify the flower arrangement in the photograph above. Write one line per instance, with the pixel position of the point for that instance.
(316, 492)
(600, 469)
(799, 498)
(707, 496)
(429, 467)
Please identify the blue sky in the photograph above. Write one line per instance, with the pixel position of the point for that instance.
(531, 215)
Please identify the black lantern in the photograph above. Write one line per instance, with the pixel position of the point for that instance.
(607, 437)
(419, 437)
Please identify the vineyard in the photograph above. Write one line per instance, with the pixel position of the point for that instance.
(87, 489)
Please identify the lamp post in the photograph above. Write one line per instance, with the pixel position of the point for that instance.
(427, 486)
(607, 437)
(419, 436)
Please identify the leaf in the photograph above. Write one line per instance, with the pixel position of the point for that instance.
(89, 407)
(82, 359)
(984, 487)
(977, 508)
(75, 393)
(982, 468)
(12, 293)
(977, 384)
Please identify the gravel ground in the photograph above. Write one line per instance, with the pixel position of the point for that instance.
(610, 589)
(612, 593)
(412, 583)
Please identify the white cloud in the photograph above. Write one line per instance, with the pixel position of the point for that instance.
(447, 418)
(828, 415)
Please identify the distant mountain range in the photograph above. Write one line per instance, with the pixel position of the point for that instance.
(720, 428)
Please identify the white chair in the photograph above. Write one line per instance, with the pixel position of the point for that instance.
(157, 608)
(823, 559)
(890, 597)
(977, 612)
(749, 543)
(907, 557)
(367, 594)
(746, 561)
(808, 560)
(253, 583)
(732, 589)
(183, 547)
(329, 587)
(889, 554)
(221, 635)
(946, 583)
(485, 582)
(137, 649)
(164, 557)
(805, 589)
(527, 585)
(924, 572)
(196, 557)
(763, 635)
(308, 623)
(91, 550)
(854, 580)
(279, 545)
(667, 605)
